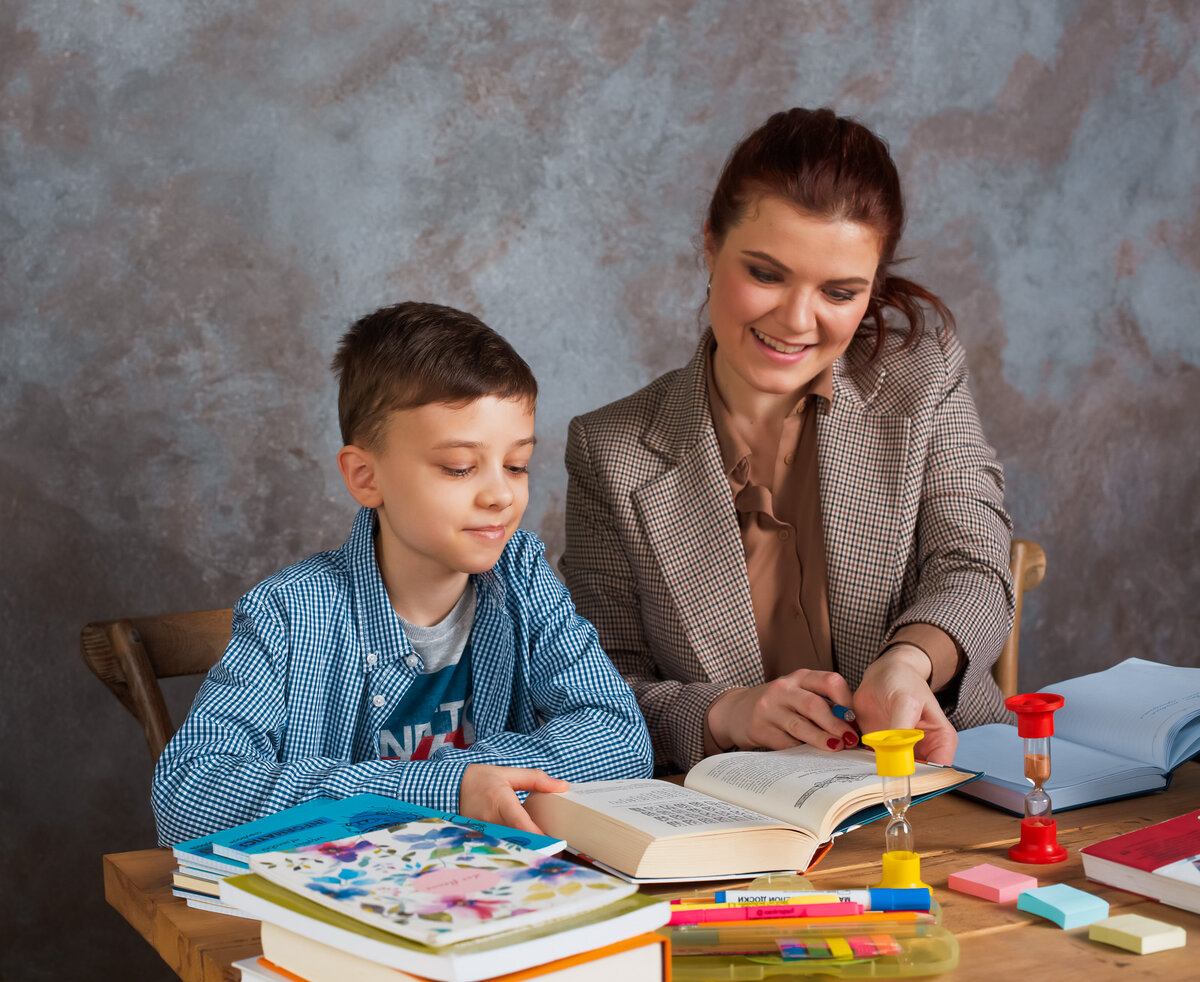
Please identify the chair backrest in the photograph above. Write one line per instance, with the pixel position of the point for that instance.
(131, 655)
(1027, 560)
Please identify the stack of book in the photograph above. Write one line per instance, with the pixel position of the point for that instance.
(429, 898)
(205, 861)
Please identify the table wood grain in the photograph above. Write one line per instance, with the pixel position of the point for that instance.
(997, 942)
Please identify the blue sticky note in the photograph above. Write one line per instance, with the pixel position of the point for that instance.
(1064, 905)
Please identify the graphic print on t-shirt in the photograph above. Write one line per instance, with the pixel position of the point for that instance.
(434, 712)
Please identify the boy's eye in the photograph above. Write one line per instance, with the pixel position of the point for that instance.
(763, 275)
(456, 471)
(519, 468)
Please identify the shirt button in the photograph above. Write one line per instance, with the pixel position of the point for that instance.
(789, 458)
(783, 534)
(412, 661)
(372, 658)
(378, 700)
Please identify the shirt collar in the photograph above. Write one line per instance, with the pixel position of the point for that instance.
(378, 624)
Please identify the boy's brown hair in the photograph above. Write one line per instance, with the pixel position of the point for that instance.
(412, 354)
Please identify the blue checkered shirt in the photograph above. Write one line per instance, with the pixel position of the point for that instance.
(318, 661)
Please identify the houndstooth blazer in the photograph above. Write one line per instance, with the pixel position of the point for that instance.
(912, 509)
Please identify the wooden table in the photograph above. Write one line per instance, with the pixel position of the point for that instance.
(997, 941)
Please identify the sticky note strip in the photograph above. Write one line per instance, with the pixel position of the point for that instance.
(1064, 905)
(1141, 935)
(992, 883)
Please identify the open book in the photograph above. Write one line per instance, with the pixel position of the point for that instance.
(737, 814)
(1121, 733)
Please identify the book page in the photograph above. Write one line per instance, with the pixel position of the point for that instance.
(997, 750)
(803, 786)
(661, 809)
(1137, 709)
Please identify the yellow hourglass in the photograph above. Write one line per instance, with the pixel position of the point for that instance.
(895, 764)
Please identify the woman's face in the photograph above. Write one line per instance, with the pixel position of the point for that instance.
(788, 293)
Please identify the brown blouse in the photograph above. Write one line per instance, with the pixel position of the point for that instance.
(773, 478)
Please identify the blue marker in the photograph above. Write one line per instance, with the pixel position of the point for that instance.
(842, 713)
(872, 899)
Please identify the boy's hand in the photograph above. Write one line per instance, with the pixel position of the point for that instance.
(488, 793)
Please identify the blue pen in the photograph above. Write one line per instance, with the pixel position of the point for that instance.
(875, 898)
(842, 713)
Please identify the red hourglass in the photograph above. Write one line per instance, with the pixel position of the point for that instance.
(1035, 722)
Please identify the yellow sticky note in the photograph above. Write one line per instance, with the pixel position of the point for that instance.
(1141, 935)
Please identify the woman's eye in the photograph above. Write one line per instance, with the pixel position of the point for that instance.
(842, 296)
(456, 471)
(763, 275)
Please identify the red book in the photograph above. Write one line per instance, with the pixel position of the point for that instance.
(1161, 861)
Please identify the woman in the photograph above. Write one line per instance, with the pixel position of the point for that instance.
(807, 514)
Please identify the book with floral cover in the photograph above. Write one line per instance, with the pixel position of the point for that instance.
(438, 883)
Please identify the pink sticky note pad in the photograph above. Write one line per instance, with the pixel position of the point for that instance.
(992, 883)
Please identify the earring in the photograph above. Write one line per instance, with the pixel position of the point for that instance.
(708, 290)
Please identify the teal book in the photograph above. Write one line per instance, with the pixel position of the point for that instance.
(324, 820)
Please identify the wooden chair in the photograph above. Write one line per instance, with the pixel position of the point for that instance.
(1027, 560)
(131, 655)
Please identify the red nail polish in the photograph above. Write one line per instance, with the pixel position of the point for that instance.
(832, 744)
(849, 738)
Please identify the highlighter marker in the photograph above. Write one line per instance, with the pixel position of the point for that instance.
(767, 912)
(872, 899)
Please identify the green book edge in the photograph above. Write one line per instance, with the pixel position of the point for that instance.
(279, 896)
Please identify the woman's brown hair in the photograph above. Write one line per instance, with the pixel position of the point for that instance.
(834, 168)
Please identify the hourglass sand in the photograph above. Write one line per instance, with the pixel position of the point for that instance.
(1035, 722)
(895, 764)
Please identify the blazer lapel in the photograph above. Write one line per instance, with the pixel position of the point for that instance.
(690, 522)
(862, 451)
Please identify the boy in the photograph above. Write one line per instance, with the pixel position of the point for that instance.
(434, 657)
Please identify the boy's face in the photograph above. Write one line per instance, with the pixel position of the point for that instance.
(452, 484)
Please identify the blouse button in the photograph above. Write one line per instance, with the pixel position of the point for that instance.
(789, 458)
(378, 700)
(783, 534)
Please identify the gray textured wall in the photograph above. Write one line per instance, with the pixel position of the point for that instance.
(198, 198)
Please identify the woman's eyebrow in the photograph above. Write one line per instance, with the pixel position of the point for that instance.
(766, 257)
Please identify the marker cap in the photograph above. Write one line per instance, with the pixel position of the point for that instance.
(885, 898)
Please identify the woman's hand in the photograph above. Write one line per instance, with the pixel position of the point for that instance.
(895, 695)
(784, 712)
(488, 793)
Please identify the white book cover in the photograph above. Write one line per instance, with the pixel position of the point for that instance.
(437, 883)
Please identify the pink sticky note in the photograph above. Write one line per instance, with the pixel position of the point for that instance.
(992, 883)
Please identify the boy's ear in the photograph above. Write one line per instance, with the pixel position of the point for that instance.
(358, 471)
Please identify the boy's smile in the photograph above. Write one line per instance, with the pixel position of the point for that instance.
(450, 485)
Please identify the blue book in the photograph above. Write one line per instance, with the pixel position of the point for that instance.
(327, 819)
